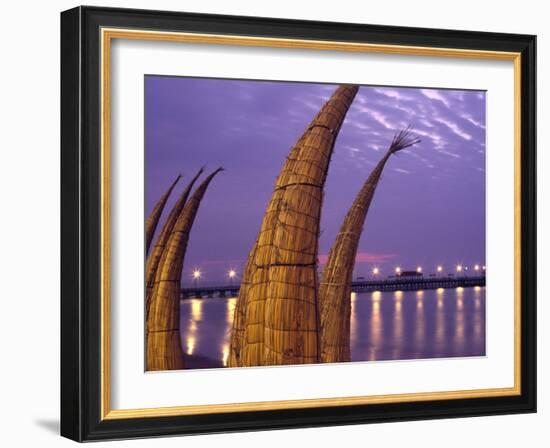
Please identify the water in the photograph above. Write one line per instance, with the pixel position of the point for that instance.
(384, 326)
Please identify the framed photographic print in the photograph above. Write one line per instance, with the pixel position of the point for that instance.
(273, 224)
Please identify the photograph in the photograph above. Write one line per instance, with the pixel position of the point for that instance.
(296, 223)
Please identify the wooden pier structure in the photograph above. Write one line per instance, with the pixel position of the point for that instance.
(358, 286)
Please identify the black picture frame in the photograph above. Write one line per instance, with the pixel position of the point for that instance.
(81, 224)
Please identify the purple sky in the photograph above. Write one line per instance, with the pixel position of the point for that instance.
(429, 206)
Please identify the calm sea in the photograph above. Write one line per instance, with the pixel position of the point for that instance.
(384, 326)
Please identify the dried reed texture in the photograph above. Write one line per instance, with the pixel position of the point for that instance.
(164, 351)
(239, 315)
(154, 257)
(153, 219)
(335, 286)
(276, 320)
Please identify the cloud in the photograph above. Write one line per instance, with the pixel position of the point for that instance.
(309, 104)
(471, 119)
(400, 170)
(357, 124)
(437, 140)
(454, 128)
(449, 153)
(435, 95)
(363, 257)
(360, 98)
(377, 116)
(352, 149)
(426, 123)
(394, 94)
(407, 110)
(374, 146)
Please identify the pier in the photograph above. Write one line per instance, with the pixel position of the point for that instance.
(384, 285)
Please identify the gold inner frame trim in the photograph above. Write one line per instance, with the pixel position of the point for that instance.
(107, 35)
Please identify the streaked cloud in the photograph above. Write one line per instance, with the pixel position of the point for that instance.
(435, 95)
(401, 170)
(471, 119)
(363, 257)
(455, 128)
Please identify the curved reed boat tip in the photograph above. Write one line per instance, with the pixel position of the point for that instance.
(403, 139)
(335, 288)
(154, 257)
(164, 351)
(276, 319)
(153, 219)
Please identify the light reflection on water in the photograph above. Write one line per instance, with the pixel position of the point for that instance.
(397, 324)
(384, 326)
(420, 330)
(439, 342)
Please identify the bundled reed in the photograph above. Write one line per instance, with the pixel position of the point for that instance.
(164, 351)
(276, 320)
(239, 316)
(154, 257)
(153, 219)
(335, 286)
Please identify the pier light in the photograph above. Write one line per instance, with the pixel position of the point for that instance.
(483, 267)
(459, 268)
(196, 277)
(439, 268)
(476, 267)
(376, 271)
(232, 273)
(397, 270)
(419, 269)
